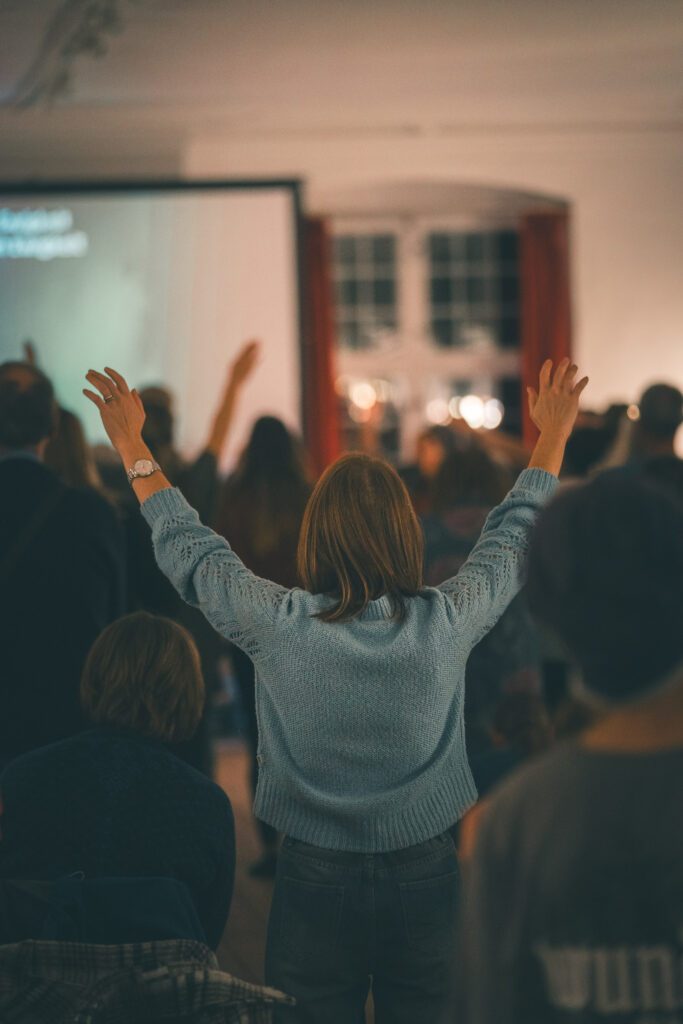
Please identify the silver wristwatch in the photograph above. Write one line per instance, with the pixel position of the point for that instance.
(142, 468)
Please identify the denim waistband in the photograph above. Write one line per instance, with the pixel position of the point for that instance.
(428, 850)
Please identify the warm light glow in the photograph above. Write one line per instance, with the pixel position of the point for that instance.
(437, 411)
(454, 408)
(633, 412)
(472, 411)
(359, 415)
(362, 394)
(493, 413)
(383, 390)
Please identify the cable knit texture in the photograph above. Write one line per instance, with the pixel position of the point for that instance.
(362, 742)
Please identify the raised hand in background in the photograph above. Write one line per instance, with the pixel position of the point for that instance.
(239, 372)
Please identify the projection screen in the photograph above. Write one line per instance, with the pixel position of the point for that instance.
(163, 282)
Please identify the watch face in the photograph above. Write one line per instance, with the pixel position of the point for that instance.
(144, 467)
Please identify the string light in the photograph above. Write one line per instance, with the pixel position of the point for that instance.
(437, 411)
(362, 394)
(472, 411)
(493, 413)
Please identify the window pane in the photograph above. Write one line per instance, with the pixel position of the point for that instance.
(441, 290)
(384, 292)
(344, 249)
(383, 249)
(458, 247)
(507, 246)
(474, 247)
(472, 287)
(508, 289)
(509, 332)
(365, 292)
(348, 292)
(476, 289)
(442, 331)
(439, 249)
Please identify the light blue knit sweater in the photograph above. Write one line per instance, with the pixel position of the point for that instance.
(361, 731)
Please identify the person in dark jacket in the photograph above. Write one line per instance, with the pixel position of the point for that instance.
(114, 802)
(61, 578)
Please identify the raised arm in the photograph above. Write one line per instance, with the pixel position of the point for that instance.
(201, 565)
(239, 372)
(493, 573)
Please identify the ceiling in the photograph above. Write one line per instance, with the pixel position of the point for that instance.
(178, 69)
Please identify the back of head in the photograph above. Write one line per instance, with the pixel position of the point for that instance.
(27, 406)
(433, 445)
(606, 574)
(68, 455)
(271, 449)
(143, 674)
(661, 411)
(468, 477)
(158, 428)
(360, 538)
(264, 500)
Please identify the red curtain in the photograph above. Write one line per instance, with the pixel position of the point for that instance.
(321, 416)
(546, 300)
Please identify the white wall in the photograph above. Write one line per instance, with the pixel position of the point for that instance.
(624, 187)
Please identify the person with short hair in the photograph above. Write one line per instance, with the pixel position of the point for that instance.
(360, 692)
(61, 571)
(573, 904)
(113, 801)
(660, 415)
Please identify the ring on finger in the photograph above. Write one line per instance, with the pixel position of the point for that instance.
(109, 398)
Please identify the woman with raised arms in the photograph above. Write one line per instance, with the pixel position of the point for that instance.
(360, 686)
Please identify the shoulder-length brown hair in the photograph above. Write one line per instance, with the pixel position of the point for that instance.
(360, 538)
(143, 673)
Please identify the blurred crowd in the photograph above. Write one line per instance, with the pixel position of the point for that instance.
(82, 638)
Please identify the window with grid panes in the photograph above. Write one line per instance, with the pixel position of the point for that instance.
(365, 287)
(474, 287)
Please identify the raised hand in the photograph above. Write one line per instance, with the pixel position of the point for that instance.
(245, 362)
(241, 368)
(29, 353)
(120, 408)
(554, 407)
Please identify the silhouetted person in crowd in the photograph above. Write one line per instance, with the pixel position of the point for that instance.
(360, 692)
(574, 899)
(61, 572)
(661, 414)
(585, 449)
(260, 511)
(68, 454)
(466, 487)
(113, 801)
(433, 445)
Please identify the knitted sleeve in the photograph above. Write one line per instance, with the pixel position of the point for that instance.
(493, 573)
(207, 573)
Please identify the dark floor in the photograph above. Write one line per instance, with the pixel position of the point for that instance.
(242, 948)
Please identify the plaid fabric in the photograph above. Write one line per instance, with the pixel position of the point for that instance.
(176, 982)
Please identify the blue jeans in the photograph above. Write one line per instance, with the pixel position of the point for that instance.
(340, 922)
